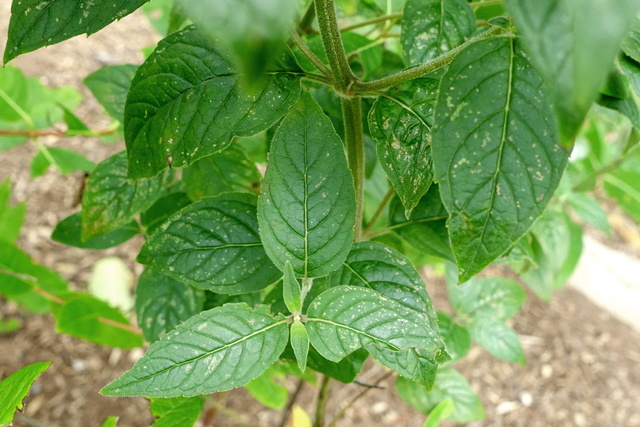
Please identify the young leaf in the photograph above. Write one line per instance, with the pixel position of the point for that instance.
(177, 411)
(300, 344)
(213, 244)
(499, 339)
(110, 422)
(495, 151)
(306, 209)
(449, 384)
(202, 105)
(111, 200)
(230, 170)
(572, 43)
(491, 297)
(440, 412)
(68, 232)
(15, 388)
(89, 318)
(266, 390)
(345, 318)
(433, 27)
(216, 350)
(426, 228)
(456, 338)
(291, 290)
(589, 210)
(110, 85)
(400, 121)
(35, 24)
(11, 217)
(66, 161)
(162, 303)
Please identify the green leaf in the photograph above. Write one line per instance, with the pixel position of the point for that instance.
(162, 303)
(300, 344)
(631, 43)
(291, 289)
(252, 30)
(572, 43)
(219, 173)
(161, 210)
(440, 412)
(216, 350)
(110, 200)
(213, 244)
(91, 319)
(400, 121)
(456, 338)
(556, 247)
(202, 105)
(345, 371)
(495, 151)
(589, 210)
(35, 24)
(490, 297)
(15, 388)
(629, 107)
(177, 411)
(499, 339)
(66, 161)
(266, 390)
(345, 318)
(449, 384)
(622, 185)
(426, 228)
(9, 325)
(306, 209)
(110, 422)
(11, 217)
(68, 232)
(433, 27)
(110, 85)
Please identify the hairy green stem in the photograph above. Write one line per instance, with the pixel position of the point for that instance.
(330, 34)
(371, 21)
(310, 55)
(354, 140)
(420, 70)
(321, 404)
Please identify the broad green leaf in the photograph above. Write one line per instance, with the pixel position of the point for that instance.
(110, 422)
(631, 43)
(160, 211)
(556, 246)
(426, 228)
(291, 289)
(628, 107)
(74, 124)
(495, 151)
(300, 344)
(177, 411)
(11, 217)
(15, 388)
(345, 318)
(110, 85)
(111, 200)
(440, 412)
(490, 297)
(267, 390)
(306, 209)
(400, 121)
(589, 210)
(202, 105)
(449, 384)
(66, 161)
(456, 338)
(162, 303)
(497, 338)
(19, 277)
(216, 350)
(230, 170)
(433, 27)
(252, 30)
(68, 232)
(572, 43)
(35, 24)
(86, 317)
(213, 244)
(622, 185)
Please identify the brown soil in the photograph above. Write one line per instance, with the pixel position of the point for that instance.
(582, 365)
